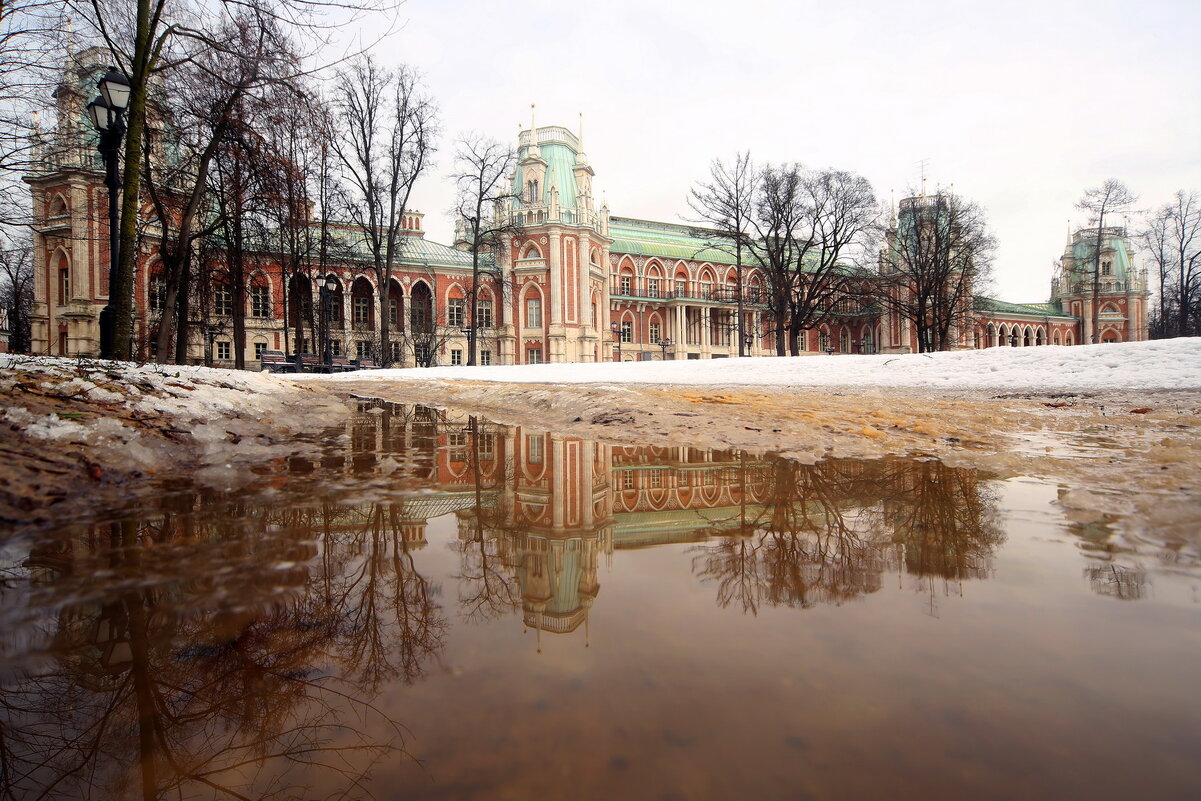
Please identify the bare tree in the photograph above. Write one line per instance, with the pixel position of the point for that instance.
(482, 168)
(31, 52)
(16, 288)
(208, 92)
(1172, 235)
(936, 257)
(388, 128)
(1111, 197)
(150, 37)
(724, 206)
(811, 231)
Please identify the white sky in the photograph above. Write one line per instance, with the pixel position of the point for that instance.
(1020, 104)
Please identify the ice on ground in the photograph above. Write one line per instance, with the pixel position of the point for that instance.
(1160, 364)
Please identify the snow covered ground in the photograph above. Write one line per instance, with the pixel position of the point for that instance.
(1162, 364)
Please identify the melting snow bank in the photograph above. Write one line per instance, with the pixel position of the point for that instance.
(1162, 364)
(79, 432)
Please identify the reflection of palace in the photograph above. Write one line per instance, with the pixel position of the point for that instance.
(537, 512)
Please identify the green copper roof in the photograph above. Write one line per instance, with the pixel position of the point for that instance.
(663, 240)
(413, 251)
(1033, 309)
(558, 148)
(1115, 248)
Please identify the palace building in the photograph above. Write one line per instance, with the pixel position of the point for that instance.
(571, 283)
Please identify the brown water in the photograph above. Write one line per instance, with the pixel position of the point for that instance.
(445, 608)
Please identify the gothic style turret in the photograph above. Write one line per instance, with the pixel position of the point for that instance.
(1121, 287)
(556, 261)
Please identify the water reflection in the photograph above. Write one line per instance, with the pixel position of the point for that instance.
(238, 645)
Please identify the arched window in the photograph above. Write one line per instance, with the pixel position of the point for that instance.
(844, 342)
(260, 299)
(396, 305)
(156, 292)
(64, 283)
(421, 311)
(362, 303)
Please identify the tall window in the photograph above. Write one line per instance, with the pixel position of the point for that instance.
(260, 301)
(483, 314)
(535, 356)
(487, 443)
(456, 441)
(259, 347)
(656, 333)
(533, 448)
(485, 357)
(395, 351)
(64, 286)
(1106, 268)
(362, 310)
(422, 353)
(823, 341)
(223, 300)
(681, 288)
(157, 292)
(224, 351)
(627, 284)
(533, 313)
(454, 313)
(362, 349)
(844, 342)
(393, 312)
(627, 331)
(456, 356)
(652, 287)
(627, 479)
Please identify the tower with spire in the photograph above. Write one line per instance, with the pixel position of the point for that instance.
(1121, 287)
(556, 261)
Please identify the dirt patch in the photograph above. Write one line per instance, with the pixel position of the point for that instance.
(77, 435)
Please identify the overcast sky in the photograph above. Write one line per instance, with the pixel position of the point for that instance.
(1021, 105)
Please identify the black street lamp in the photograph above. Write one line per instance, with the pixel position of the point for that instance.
(617, 336)
(665, 344)
(107, 115)
(326, 289)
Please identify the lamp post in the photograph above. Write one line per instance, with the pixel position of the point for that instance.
(665, 344)
(327, 287)
(107, 115)
(616, 336)
(748, 342)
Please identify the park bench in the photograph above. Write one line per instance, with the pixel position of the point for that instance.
(309, 363)
(274, 361)
(340, 364)
(365, 364)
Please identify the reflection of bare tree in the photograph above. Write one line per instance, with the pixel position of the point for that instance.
(1117, 581)
(487, 585)
(191, 655)
(823, 536)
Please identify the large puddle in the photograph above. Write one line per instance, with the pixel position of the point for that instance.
(445, 608)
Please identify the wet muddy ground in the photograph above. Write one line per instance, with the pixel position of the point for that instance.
(429, 603)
